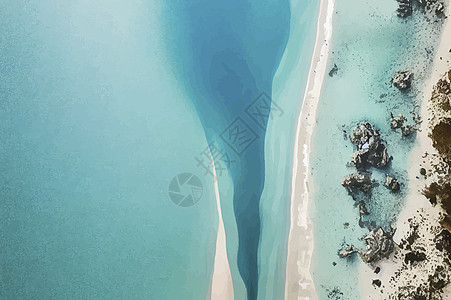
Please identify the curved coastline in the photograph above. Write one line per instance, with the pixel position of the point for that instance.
(299, 283)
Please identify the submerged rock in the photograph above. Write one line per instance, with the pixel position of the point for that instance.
(379, 245)
(402, 79)
(392, 183)
(359, 181)
(362, 209)
(397, 121)
(333, 71)
(371, 151)
(407, 130)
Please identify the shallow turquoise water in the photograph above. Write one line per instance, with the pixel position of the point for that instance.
(96, 120)
(93, 127)
(370, 43)
(288, 91)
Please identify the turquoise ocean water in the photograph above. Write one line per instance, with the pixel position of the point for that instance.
(370, 43)
(103, 104)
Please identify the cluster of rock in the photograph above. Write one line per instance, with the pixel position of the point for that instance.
(347, 251)
(427, 247)
(435, 6)
(392, 183)
(440, 121)
(402, 80)
(356, 182)
(371, 151)
(439, 191)
(379, 245)
(405, 7)
(408, 130)
(397, 122)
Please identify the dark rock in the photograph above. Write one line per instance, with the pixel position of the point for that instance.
(333, 71)
(407, 130)
(362, 209)
(413, 257)
(422, 3)
(439, 191)
(379, 245)
(334, 264)
(355, 182)
(397, 122)
(444, 87)
(441, 138)
(377, 282)
(335, 293)
(392, 183)
(439, 9)
(443, 242)
(347, 251)
(371, 151)
(423, 171)
(402, 80)
(439, 279)
(404, 8)
(377, 270)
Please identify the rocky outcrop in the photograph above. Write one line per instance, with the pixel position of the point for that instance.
(371, 151)
(357, 182)
(439, 8)
(404, 8)
(433, 6)
(391, 183)
(441, 138)
(362, 209)
(347, 251)
(402, 79)
(440, 121)
(397, 121)
(379, 245)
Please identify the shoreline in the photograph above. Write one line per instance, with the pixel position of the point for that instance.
(221, 285)
(415, 202)
(299, 282)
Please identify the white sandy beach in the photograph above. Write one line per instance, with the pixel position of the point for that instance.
(299, 283)
(221, 285)
(416, 205)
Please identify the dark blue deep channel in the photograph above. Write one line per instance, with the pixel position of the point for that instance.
(226, 54)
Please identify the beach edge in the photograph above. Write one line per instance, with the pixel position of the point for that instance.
(299, 282)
